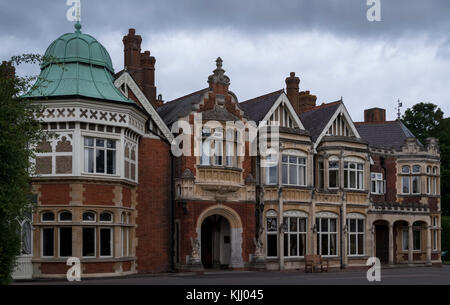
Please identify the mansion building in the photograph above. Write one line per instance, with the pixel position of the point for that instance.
(109, 190)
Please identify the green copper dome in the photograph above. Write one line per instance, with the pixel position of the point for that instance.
(79, 66)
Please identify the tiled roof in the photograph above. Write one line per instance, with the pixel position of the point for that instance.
(388, 135)
(257, 108)
(316, 119)
(171, 111)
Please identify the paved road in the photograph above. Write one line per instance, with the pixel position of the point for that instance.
(394, 276)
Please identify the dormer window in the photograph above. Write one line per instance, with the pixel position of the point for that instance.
(214, 143)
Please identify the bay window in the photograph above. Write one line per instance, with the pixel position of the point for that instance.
(89, 239)
(326, 236)
(333, 174)
(353, 175)
(99, 156)
(411, 180)
(106, 242)
(294, 170)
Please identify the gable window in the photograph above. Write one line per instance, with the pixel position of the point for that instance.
(378, 185)
(99, 156)
(326, 236)
(333, 174)
(294, 170)
(353, 175)
(271, 235)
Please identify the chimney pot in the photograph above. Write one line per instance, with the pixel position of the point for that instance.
(375, 115)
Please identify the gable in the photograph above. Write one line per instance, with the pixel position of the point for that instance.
(128, 86)
(339, 125)
(282, 114)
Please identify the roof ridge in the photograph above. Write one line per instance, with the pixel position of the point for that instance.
(375, 123)
(322, 106)
(185, 96)
(258, 97)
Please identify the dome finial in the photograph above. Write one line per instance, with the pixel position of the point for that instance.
(78, 27)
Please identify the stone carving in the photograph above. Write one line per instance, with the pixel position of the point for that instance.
(196, 248)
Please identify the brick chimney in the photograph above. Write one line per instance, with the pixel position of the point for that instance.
(300, 101)
(375, 115)
(140, 65)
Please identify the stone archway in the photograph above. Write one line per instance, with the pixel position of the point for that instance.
(235, 230)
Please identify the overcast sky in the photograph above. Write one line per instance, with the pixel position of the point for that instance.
(330, 45)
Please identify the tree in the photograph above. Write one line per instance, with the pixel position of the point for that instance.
(427, 120)
(20, 131)
(423, 120)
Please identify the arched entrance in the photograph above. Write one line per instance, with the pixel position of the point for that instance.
(216, 242)
(219, 230)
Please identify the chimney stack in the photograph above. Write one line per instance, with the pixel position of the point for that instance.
(375, 115)
(141, 66)
(301, 101)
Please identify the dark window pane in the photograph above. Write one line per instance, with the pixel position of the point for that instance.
(111, 162)
(360, 244)
(353, 244)
(286, 244)
(360, 225)
(100, 143)
(106, 217)
(88, 142)
(293, 225)
(111, 144)
(48, 217)
(324, 244)
(352, 225)
(100, 161)
(89, 216)
(285, 174)
(293, 245)
(324, 226)
(65, 216)
(271, 224)
(89, 160)
(272, 245)
(48, 242)
(105, 242)
(65, 242)
(333, 244)
(88, 242)
(293, 174)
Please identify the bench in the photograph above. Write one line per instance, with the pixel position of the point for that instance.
(314, 263)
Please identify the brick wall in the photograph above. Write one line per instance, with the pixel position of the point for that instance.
(153, 209)
(54, 194)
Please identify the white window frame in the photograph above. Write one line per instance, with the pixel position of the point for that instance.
(359, 175)
(333, 170)
(357, 234)
(59, 216)
(329, 233)
(48, 212)
(299, 168)
(287, 220)
(89, 221)
(380, 184)
(106, 149)
(103, 221)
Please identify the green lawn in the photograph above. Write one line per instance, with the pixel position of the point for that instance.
(446, 236)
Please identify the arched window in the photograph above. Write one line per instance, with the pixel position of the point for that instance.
(89, 216)
(48, 217)
(295, 225)
(326, 225)
(106, 217)
(271, 234)
(65, 216)
(355, 234)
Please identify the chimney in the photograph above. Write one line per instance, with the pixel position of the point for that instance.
(292, 86)
(148, 77)
(301, 101)
(306, 101)
(375, 115)
(141, 66)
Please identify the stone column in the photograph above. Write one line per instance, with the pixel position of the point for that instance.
(428, 262)
(410, 245)
(391, 244)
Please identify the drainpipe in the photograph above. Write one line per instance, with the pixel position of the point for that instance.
(280, 212)
(172, 215)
